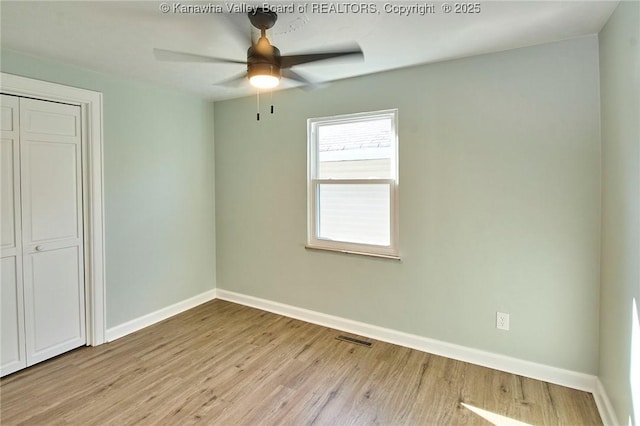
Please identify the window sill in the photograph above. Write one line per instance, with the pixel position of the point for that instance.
(360, 253)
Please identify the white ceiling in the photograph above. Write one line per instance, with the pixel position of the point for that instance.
(118, 37)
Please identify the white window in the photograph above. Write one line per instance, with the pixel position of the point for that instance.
(353, 183)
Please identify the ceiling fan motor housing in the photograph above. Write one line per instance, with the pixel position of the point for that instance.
(261, 64)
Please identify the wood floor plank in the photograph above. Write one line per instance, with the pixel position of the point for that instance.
(227, 364)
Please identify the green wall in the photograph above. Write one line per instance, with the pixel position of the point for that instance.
(620, 98)
(159, 188)
(499, 203)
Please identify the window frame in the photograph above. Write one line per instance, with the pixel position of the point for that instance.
(392, 250)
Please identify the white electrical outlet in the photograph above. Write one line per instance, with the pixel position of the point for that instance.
(502, 321)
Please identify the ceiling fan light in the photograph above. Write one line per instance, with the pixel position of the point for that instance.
(264, 81)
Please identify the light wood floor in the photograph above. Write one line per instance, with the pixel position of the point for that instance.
(226, 364)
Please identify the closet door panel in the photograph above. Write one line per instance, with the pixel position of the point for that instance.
(12, 351)
(8, 152)
(12, 345)
(51, 173)
(10, 236)
(52, 208)
(51, 188)
(54, 296)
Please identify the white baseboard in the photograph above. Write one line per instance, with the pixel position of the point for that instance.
(572, 379)
(605, 408)
(159, 315)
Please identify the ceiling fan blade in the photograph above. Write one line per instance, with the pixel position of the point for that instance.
(234, 81)
(293, 75)
(293, 60)
(173, 56)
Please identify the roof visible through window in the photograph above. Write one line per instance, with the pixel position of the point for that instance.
(355, 135)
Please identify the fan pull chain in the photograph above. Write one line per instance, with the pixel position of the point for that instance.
(271, 95)
(258, 105)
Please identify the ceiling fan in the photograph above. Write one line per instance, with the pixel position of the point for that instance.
(265, 65)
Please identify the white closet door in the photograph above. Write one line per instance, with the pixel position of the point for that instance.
(51, 178)
(12, 346)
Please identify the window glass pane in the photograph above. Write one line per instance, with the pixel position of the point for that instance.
(355, 150)
(357, 213)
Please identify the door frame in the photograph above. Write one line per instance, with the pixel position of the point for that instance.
(90, 103)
